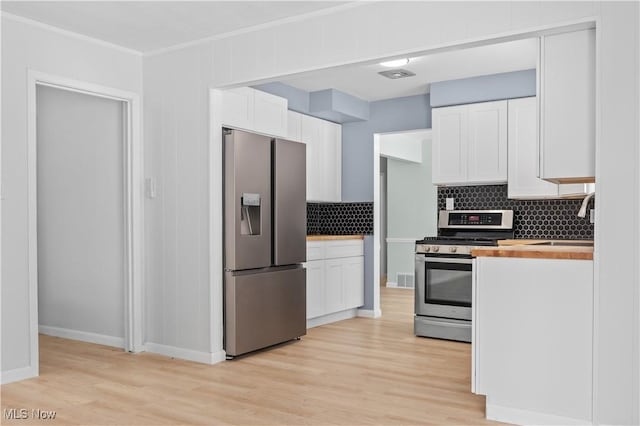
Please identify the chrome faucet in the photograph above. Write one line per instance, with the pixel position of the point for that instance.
(583, 209)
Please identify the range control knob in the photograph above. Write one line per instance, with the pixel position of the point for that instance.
(453, 249)
(427, 249)
(435, 249)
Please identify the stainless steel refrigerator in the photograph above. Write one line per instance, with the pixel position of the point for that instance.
(265, 227)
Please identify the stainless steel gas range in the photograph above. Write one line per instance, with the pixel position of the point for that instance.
(444, 270)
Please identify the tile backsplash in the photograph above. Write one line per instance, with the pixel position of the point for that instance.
(553, 219)
(339, 218)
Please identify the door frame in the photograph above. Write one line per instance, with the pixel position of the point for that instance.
(133, 202)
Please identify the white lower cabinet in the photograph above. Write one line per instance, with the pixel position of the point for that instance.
(315, 288)
(533, 339)
(335, 280)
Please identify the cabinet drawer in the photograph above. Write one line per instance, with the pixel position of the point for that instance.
(343, 248)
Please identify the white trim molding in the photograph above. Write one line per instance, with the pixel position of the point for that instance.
(526, 417)
(270, 24)
(369, 313)
(18, 374)
(58, 30)
(186, 354)
(83, 336)
(134, 199)
(333, 317)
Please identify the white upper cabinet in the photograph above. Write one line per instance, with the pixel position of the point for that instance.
(487, 142)
(450, 145)
(324, 158)
(270, 114)
(237, 108)
(294, 126)
(523, 179)
(567, 107)
(311, 134)
(256, 111)
(524, 182)
(470, 144)
(333, 161)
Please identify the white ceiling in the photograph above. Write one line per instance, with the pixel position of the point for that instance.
(150, 25)
(363, 81)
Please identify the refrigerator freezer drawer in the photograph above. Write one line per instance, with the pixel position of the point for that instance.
(264, 308)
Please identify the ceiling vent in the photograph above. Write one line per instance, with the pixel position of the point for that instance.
(395, 74)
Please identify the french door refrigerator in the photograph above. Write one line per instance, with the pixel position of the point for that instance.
(265, 227)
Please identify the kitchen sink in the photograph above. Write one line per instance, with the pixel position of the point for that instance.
(566, 243)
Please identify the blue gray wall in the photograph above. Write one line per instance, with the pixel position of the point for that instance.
(389, 115)
(508, 85)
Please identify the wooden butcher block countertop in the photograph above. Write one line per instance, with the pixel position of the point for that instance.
(532, 250)
(334, 237)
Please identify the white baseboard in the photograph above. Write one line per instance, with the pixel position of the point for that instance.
(369, 313)
(327, 319)
(391, 284)
(18, 374)
(83, 336)
(526, 417)
(186, 354)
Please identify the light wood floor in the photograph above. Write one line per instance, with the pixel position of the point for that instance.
(355, 372)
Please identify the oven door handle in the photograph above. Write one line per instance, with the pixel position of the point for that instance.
(424, 259)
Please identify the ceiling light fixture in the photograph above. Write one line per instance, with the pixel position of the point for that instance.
(396, 74)
(396, 63)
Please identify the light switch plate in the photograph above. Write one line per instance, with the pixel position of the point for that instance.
(150, 188)
(450, 203)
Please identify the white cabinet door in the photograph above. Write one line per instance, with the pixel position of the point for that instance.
(294, 123)
(315, 289)
(353, 280)
(334, 293)
(270, 114)
(567, 83)
(332, 152)
(311, 131)
(450, 145)
(487, 142)
(237, 108)
(324, 158)
(524, 182)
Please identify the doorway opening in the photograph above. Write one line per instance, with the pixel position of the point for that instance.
(405, 203)
(85, 214)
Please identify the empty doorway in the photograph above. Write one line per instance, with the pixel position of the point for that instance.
(81, 215)
(85, 217)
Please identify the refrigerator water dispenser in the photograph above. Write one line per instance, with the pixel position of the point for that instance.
(250, 214)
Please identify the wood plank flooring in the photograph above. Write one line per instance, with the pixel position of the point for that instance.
(356, 372)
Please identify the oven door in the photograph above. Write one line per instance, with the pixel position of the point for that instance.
(443, 287)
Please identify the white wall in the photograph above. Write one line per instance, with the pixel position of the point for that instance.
(405, 146)
(80, 215)
(176, 118)
(23, 47)
(371, 30)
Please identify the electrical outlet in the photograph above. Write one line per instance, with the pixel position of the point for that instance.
(450, 203)
(592, 215)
